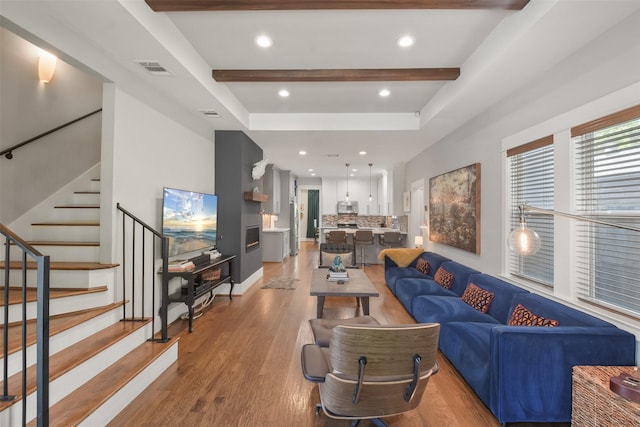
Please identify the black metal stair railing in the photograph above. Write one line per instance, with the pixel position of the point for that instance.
(137, 264)
(42, 265)
(8, 152)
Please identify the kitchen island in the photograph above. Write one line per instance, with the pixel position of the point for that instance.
(370, 251)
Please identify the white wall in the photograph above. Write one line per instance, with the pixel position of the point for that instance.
(605, 65)
(148, 151)
(28, 108)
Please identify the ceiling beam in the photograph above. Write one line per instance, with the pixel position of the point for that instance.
(338, 75)
(237, 5)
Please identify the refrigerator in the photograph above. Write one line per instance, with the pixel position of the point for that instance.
(294, 221)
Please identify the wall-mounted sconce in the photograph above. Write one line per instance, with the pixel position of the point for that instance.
(46, 66)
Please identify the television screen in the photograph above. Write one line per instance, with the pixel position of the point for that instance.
(189, 219)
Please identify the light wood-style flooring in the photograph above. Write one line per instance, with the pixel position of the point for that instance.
(241, 364)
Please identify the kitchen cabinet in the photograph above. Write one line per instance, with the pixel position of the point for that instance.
(334, 190)
(275, 244)
(272, 189)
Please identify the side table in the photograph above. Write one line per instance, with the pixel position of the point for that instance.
(594, 404)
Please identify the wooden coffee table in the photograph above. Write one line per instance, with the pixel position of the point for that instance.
(358, 286)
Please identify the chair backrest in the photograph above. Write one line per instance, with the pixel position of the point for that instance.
(337, 236)
(391, 238)
(363, 237)
(384, 384)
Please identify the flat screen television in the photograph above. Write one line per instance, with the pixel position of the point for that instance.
(189, 219)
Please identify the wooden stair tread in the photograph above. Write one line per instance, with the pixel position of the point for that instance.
(78, 405)
(72, 356)
(15, 293)
(67, 224)
(58, 265)
(57, 324)
(77, 207)
(86, 192)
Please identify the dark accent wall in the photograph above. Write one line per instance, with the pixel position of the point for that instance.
(236, 154)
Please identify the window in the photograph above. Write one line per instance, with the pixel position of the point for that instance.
(531, 178)
(607, 188)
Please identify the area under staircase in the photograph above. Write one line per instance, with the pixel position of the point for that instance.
(98, 362)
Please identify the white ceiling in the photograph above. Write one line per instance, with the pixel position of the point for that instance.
(497, 51)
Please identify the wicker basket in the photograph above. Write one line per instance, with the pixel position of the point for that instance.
(211, 274)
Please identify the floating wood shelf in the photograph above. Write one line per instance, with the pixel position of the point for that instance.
(255, 197)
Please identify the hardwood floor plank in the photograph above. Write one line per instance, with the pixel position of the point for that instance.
(241, 364)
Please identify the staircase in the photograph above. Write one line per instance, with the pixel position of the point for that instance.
(98, 362)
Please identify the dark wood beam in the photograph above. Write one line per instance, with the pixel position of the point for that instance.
(337, 75)
(237, 5)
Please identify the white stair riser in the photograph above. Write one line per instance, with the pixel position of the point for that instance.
(94, 185)
(86, 198)
(84, 233)
(74, 214)
(61, 305)
(76, 279)
(70, 381)
(66, 338)
(64, 253)
(62, 386)
(125, 395)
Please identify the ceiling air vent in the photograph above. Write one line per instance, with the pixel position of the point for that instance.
(210, 114)
(154, 68)
(333, 155)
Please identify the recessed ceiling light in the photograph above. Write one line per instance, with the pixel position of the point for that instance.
(384, 93)
(310, 170)
(362, 153)
(283, 93)
(264, 41)
(405, 41)
(302, 152)
(354, 170)
(313, 174)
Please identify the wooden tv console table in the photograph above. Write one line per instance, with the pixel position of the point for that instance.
(197, 286)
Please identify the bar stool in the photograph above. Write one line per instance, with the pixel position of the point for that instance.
(391, 239)
(337, 236)
(363, 238)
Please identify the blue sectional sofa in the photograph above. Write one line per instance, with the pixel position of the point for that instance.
(522, 373)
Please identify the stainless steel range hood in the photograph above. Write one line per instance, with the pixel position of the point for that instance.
(348, 207)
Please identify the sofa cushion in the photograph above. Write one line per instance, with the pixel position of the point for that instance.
(392, 272)
(500, 308)
(523, 317)
(478, 298)
(460, 274)
(565, 315)
(410, 287)
(422, 265)
(443, 278)
(467, 346)
(443, 309)
(326, 258)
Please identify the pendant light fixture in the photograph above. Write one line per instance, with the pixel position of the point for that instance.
(370, 196)
(347, 198)
(523, 240)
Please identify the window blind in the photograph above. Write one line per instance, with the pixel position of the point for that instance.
(531, 182)
(607, 188)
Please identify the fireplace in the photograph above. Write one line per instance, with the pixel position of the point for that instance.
(252, 238)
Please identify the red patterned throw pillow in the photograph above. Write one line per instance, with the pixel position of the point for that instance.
(477, 297)
(443, 278)
(523, 317)
(423, 266)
